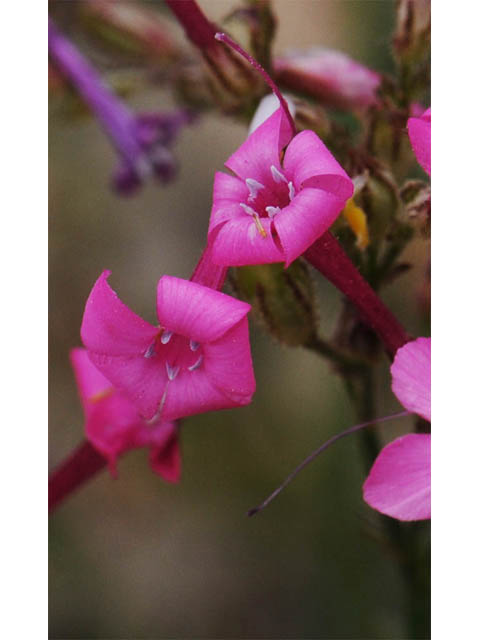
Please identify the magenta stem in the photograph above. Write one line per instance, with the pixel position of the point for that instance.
(223, 37)
(80, 466)
(198, 28)
(327, 255)
(208, 273)
(321, 449)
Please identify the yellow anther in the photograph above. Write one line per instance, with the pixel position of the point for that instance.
(101, 395)
(358, 223)
(258, 224)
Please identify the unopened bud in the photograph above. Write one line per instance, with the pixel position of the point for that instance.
(282, 300)
(330, 76)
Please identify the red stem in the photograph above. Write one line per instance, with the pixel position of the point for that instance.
(208, 273)
(80, 466)
(327, 255)
(198, 28)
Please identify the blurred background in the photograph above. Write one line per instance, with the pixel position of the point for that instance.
(136, 557)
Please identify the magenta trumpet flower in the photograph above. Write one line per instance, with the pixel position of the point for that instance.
(280, 200)
(141, 141)
(114, 426)
(197, 359)
(419, 131)
(398, 484)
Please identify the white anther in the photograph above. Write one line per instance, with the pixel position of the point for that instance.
(194, 345)
(196, 364)
(291, 191)
(254, 187)
(249, 210)
(277, 175)
(172, 371)
(166, 335)
(150, 352)
(272, 211)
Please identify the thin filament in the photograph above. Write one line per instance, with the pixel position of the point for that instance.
(223, 37)
(317, 452)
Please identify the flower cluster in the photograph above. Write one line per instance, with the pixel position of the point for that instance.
(284, 192)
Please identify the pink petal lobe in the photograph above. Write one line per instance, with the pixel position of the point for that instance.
(308, 163)
(143, 380)
(195, 311)
(109, 326)
(419, 131)
(305, 219)
(238, 242)
(165, 458)
(411, 376)
(112, 426)
(261, 149)
(398, 484)
(230, 188)
(228, 364)
(224, 211)
(91, 382)
(192, 392)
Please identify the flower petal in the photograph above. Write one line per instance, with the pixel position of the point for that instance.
(228, 364)
(308, 163)
(142, 380)
(224, 211)
(226, 187)
(411, 376)
(238, 242)
(195, 311)
(398, 484)
(91, 382)
(192, 392)
(111, 427)
(165, 458)
(419, 131)
(261, 150)
(110, 327)
(305, 219)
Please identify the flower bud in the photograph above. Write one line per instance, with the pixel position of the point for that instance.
(282, 299)
(330, 76)
(412, 32)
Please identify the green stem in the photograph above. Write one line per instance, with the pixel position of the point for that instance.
(403, 538)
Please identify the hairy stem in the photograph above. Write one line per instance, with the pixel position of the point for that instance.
(328, 257)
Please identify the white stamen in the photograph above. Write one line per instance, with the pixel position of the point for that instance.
(158, 413)
(150, 352)
(172, 371)
(166, 335)
(277, 175)
(272, 211)
(194, 345)
(254, 187)
(196, 364)
(249, 210)
(291, 191)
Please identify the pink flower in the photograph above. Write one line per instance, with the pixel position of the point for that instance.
(419, 131)
(398, 484)
(276, 205)
(114, 426)
(198, 358)
(329, 75)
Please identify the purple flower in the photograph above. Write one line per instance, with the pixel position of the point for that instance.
(398, 484)
(142, 142)
(197, 359)
(419, 131)
(278, 202)
(329, 75)
(113, 425)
